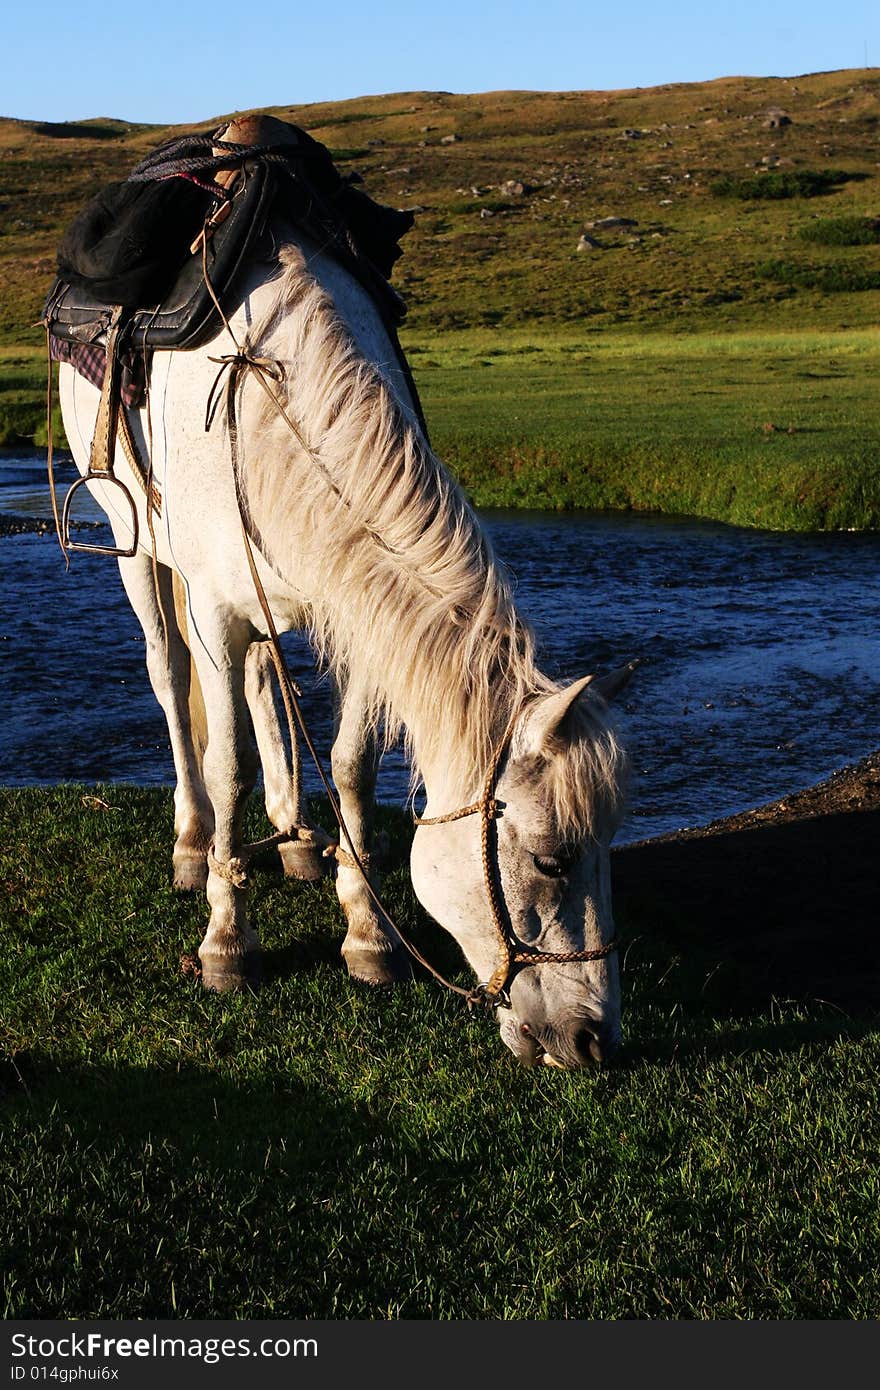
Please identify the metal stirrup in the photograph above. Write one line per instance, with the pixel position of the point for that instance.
(102, 452)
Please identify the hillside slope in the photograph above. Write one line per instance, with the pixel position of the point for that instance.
(712, 350)
(483, 252)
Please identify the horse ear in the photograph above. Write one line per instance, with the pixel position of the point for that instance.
(546, 725)
(610, 685)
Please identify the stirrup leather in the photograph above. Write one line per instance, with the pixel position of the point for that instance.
(103, 450)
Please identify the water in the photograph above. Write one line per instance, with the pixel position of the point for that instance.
(760, 654)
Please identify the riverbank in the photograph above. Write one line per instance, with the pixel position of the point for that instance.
(25, 526)
(778, 430)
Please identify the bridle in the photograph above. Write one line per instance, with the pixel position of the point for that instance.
(513, 953)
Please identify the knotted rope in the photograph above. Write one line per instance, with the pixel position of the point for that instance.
(234, 870)
(511, 950)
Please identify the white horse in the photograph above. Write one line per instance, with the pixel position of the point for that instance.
(363, 538)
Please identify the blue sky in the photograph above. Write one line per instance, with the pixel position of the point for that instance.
(165, 61)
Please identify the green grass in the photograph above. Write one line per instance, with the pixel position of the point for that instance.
(640, 374)
(23, 399)
(775, 430)
(830, 279)
(323, 1150)
(779, 430)
(800, 183)
(520, 266)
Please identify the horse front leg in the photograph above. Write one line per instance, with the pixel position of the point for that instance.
(371, 950)
(282, 776)
(159, 609)
(230, 952)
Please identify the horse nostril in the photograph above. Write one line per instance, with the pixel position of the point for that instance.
(597, 1043)
(586, 1043)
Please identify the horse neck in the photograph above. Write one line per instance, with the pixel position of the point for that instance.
(407, 601)
(448, 759)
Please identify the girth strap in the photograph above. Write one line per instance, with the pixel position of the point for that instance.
(104, 438)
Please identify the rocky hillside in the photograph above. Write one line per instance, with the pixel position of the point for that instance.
(649, 206)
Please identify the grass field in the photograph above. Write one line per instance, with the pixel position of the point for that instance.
(714, 353)
(779, 430)
(770, 429)
(323, 1150)
(500, 209)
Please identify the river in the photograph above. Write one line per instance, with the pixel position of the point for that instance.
(760, 654)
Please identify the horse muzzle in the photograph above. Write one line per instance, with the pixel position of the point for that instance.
(591, 1043)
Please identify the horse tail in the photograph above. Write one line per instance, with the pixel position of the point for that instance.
(198, 719)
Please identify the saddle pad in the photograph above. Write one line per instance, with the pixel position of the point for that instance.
(187, 316)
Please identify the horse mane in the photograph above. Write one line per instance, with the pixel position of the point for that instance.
(408, 604)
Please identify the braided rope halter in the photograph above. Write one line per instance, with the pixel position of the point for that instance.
(494, 993)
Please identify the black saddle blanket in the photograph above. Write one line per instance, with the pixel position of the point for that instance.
(132, 244)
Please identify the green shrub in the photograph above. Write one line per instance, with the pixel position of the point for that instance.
(842, 231)
(831, 279)
(491, 204)
(800, 183)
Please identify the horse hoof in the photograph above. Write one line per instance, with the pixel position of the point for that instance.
(371, 967)
(223, 973)
(303, 861)
(191, 874)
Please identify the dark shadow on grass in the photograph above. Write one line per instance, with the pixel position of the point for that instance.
(69, 130)
(825, 1029)
(768, 911)
(175, 1192)
(319, 951)
(301, 958)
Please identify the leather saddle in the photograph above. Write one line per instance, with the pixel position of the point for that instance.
(231, 182)
(256, 164)
(134, 243)
(187, 315)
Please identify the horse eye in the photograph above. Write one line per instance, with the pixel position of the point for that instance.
(554, 865)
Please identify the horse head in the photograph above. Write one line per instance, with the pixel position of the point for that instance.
(529, 901)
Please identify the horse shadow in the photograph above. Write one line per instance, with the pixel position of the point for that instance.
(223, 1163)
(735, 923)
